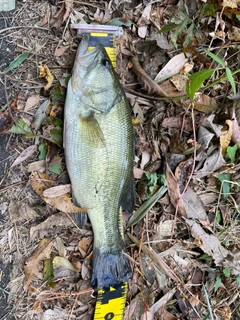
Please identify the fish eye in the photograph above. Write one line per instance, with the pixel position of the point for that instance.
(105, 62)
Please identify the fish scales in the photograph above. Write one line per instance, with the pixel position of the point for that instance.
(98, 142)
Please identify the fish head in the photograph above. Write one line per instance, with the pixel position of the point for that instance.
(94, 81)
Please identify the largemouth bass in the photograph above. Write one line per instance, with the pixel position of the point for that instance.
(98, 142)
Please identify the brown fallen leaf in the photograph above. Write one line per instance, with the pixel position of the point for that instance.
(188, 204)
(20, 211)
(58, 19)
(59, 220)
(31, 102)
(31, 268)
(6, 116)
(160, 304)
(213, 162)
(57, 191)
(234, 34)
(204, 103)
(149, 85)
(60, 51)
(84, 245)
(41, 181)
(25, 155)
(208, 242)
(235, 128)
(226, 136)
(144, 21)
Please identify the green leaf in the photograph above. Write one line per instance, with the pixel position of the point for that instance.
(179, 31)
(207, 10)
(227, 272)
(57, 94)
(57, 122)
(231, 80)
(57, 136)
(145, 207)
(31, 135)
(42, 151)
(225, 178)
(21, 128)
(231, 151)
(218, 216)
(169, 27)
(189, 36)
(205, 257)
(17, 61)
(56, 168)
(217, 283)
(215, 58)
(195, 81)
(238, 279)
(119, 22)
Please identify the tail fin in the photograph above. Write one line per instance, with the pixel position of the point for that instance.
(109, 269)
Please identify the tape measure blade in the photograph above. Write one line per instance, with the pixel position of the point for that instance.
(111, 303)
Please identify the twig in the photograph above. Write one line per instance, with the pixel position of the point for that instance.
(25, 27)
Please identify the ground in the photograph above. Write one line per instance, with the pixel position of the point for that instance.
(178, 62)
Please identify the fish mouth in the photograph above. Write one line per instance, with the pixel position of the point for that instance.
(84, 57)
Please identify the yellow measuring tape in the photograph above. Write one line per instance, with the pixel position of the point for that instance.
(111, 301)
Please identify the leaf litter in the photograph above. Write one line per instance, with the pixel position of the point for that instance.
(183, 239)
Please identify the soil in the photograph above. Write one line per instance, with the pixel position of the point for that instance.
(6, 56)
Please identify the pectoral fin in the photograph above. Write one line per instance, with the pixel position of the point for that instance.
(91, 133)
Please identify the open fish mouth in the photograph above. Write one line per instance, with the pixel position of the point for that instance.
(87, 58)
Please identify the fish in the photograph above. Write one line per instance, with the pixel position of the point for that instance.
(99, 153)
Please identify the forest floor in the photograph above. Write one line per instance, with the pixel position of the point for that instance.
(178, 62)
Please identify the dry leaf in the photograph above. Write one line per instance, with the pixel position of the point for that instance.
(60, 51)
(31, 102)
(235, 129)
(214, 162)
(172, 67)
(63, 262)
(84, 245)
(234, 34)
(208, 242)
(229, 3)
(204, 103)
(57, 191)
(37, 166)
(41, 181)
(204, 137)
(179, 81)
(25, 155)
(31, 268)
(216, 128)
(161, 303)
(137, 173)
(20, 211)
(59, 245)
(149, 85)
(144, 21)
(226, 137)
(58, 19)
(145, 159)
(59, 220)
(45, 73)
(6, 116)
(188, 204)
